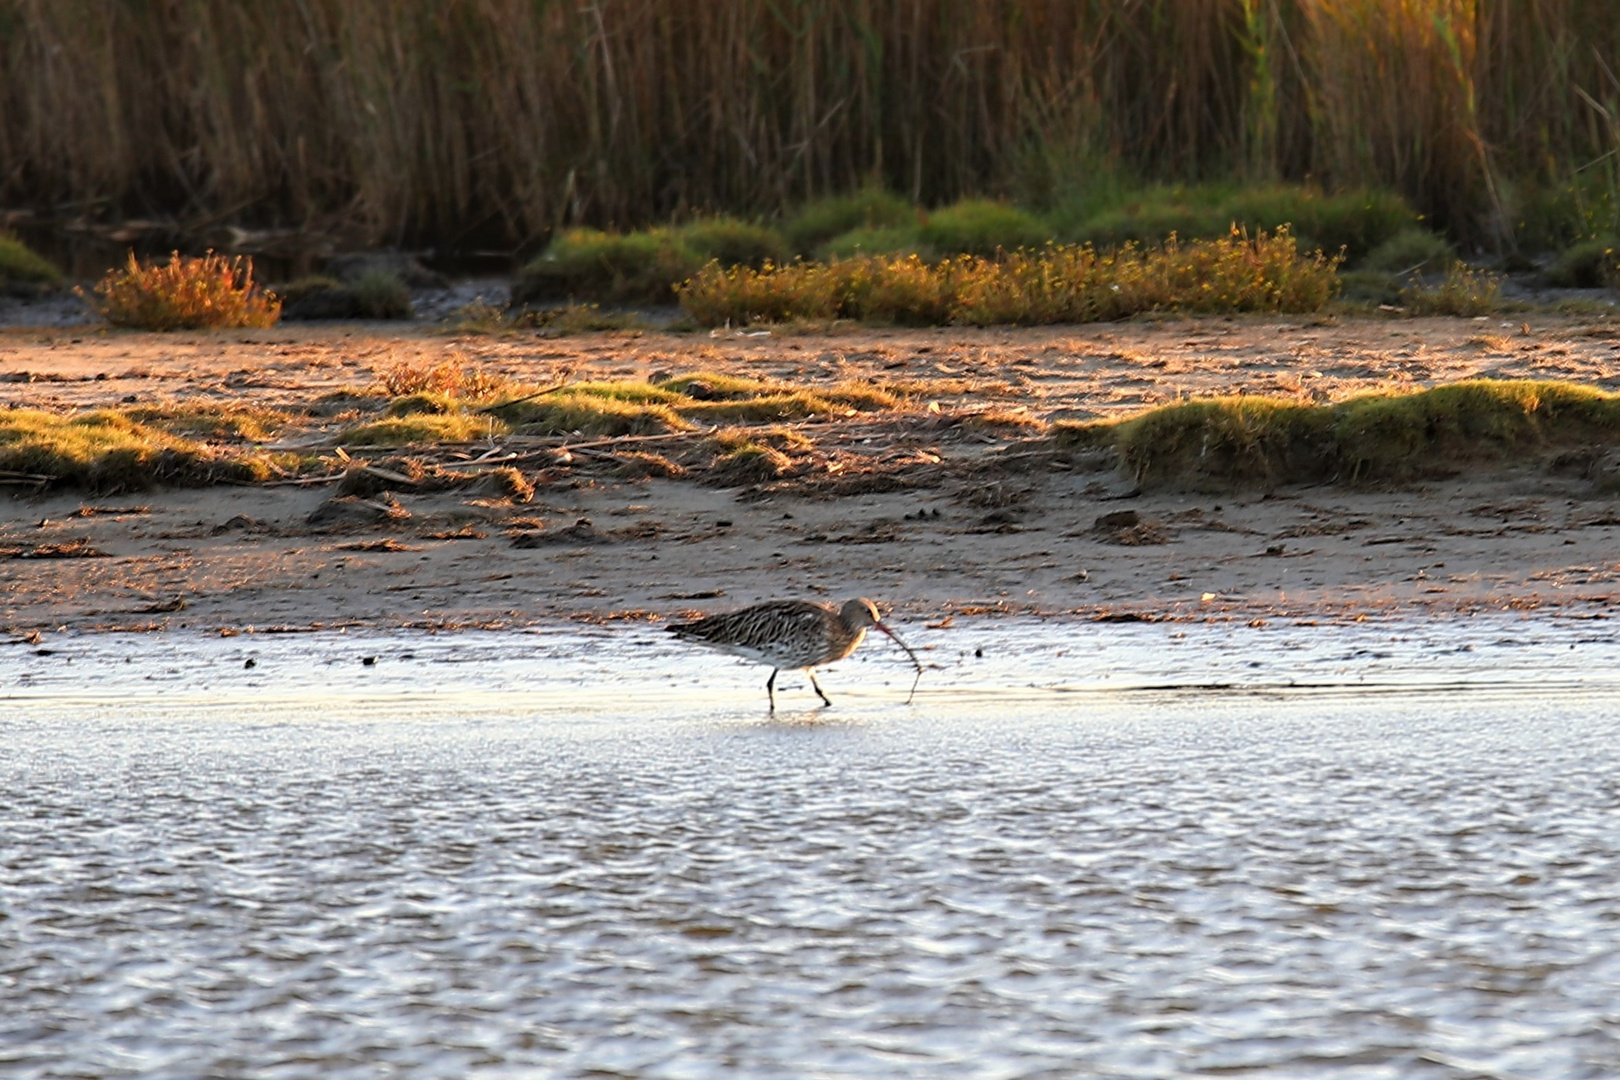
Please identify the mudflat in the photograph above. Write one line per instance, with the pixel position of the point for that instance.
(946, 507)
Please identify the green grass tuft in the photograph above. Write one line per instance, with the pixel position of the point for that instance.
(380, 294)
(749, 463)
(874, 240)
(1355, 221)
(862, 396)
(1412, 251)
(1369, 288)
(1465, 291)
(1144, 223)
(732, 242)
(682, 403)
(237, 423)
(765, 408)
(598, 414)
(1261, 442)
(421, 428)
(21, 265)
(639, 267)
(639, 393)
(109, 451)
(984, 228)
(377, 294)
(820, 221)
(1590, 264)
(712, 385)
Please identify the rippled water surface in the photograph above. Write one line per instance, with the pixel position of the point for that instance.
(1122, 851)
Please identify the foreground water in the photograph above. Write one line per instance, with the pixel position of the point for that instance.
(1132, 851)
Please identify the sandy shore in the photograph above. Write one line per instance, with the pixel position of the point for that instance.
(966, 531)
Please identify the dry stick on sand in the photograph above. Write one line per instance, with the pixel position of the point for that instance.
(518, 401)
(486, 461)
(617, 440)
(550, 442)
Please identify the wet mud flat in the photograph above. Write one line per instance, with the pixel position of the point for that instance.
(1122, 849)
(939, 508)
(1057, 542)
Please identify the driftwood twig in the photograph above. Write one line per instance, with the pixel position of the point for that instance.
(492, 409)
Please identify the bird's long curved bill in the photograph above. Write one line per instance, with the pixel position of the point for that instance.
(914, 661)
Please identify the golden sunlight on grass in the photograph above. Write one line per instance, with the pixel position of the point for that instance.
(185, 293)
(235, 423)
(696, 399)
(1053, 284)
(737, 430)
(422, 429)
(109, 451)
(1255, 441)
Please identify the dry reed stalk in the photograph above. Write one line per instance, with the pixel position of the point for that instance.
(1391, 104)
(451, 120)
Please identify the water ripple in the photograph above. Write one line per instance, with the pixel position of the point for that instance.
(1211, 885)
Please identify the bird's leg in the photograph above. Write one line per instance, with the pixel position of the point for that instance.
(770, 688)
(819, 694)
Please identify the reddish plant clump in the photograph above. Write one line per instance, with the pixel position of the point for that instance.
(186, 293)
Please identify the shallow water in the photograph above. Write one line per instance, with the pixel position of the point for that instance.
(618, 671)
(1381, 851)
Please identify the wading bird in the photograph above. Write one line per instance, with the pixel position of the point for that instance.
(791, 634)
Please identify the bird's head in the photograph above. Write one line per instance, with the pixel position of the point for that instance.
(861, 613)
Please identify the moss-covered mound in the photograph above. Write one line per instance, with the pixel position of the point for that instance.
(1254, 441)
(642, 267)
(22, 268)
(110, 451)
(376, 294)
(681, 404)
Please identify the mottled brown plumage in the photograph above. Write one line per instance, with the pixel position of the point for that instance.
(789, 634)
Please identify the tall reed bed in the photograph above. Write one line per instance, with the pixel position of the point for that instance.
(453, 120)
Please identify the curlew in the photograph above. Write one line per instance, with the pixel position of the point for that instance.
(791, 634)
